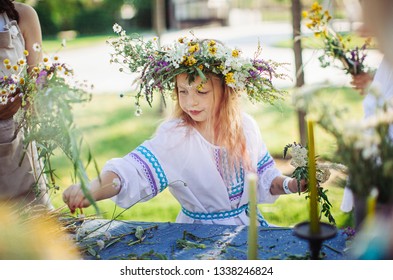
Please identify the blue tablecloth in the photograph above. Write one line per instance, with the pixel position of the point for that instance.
(104, 239)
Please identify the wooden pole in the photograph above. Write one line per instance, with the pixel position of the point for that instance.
(159, 24)
(297, 48)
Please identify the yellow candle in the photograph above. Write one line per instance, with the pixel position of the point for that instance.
(371, 203)
(252, 229)
(312, 180)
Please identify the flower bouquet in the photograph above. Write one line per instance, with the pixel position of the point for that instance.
(335, 46)
(366, 148)
(363, 146)
(299, 160)
(47, 93)
(158, 66)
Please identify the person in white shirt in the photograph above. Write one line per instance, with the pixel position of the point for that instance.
(203, 154)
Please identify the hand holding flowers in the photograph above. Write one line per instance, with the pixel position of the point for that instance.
(299, 160)
(335, 46)
(46, 94)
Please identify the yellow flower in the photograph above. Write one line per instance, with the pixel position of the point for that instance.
(22, 81)
(8, 66)
(229, 78)
(212, 50)
(55, 58)
(26, 52)
(325, 32)
(21, 62)
(316, 20)
(12, 88)
(200, 87)
(193, 48)
(316, 7)
(317, 34)
(211, 43)
(189, 60)
(36, 69)
(15, 67)
(327, 15)
(304, 14)
(5, 78)
(310, 25)
(235, 53)
(45, 60)
(200, 67)
(6, 61)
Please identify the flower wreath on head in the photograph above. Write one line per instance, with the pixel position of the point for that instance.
(158, 66)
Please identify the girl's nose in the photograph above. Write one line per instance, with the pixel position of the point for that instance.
(194, 99)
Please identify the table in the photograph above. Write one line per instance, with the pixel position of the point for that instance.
(105, 239)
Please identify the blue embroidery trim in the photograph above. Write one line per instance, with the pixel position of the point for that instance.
(156, 165)
(264, 163)
(260, 218)
(215, 215)
(147, 171)
(239, 185)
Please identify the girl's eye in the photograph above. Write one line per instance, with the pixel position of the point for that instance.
(182, 92)
(202, 92)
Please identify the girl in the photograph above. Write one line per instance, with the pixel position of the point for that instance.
(203, 153)
(19, 31)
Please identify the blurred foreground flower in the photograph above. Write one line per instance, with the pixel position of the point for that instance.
(36, 236)
(364, 146)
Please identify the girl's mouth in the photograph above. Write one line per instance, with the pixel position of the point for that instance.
(194, 112)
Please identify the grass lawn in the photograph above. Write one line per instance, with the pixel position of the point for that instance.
(111, 129)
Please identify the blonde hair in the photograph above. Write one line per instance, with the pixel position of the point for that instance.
(225, 125)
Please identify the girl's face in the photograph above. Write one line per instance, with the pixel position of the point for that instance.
(199, 102)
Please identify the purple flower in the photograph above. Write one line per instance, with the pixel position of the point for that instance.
(41, 79)
(263, 67)
(161, 65)
(253, 74)
(350, 232)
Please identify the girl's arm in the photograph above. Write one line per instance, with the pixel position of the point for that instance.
(30, 27)
(277, 186)
(104, 187)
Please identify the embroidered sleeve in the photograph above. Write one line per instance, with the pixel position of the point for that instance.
(267, 171)
(141, 175)
(142, 172)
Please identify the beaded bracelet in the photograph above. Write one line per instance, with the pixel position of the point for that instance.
(285, 185)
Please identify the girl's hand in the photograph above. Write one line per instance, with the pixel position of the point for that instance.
(361, 82)
(293, 187)
(74, 198)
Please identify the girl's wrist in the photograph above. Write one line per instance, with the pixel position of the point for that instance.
(286, 185)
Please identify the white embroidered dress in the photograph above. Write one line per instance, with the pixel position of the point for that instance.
(210, 195)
